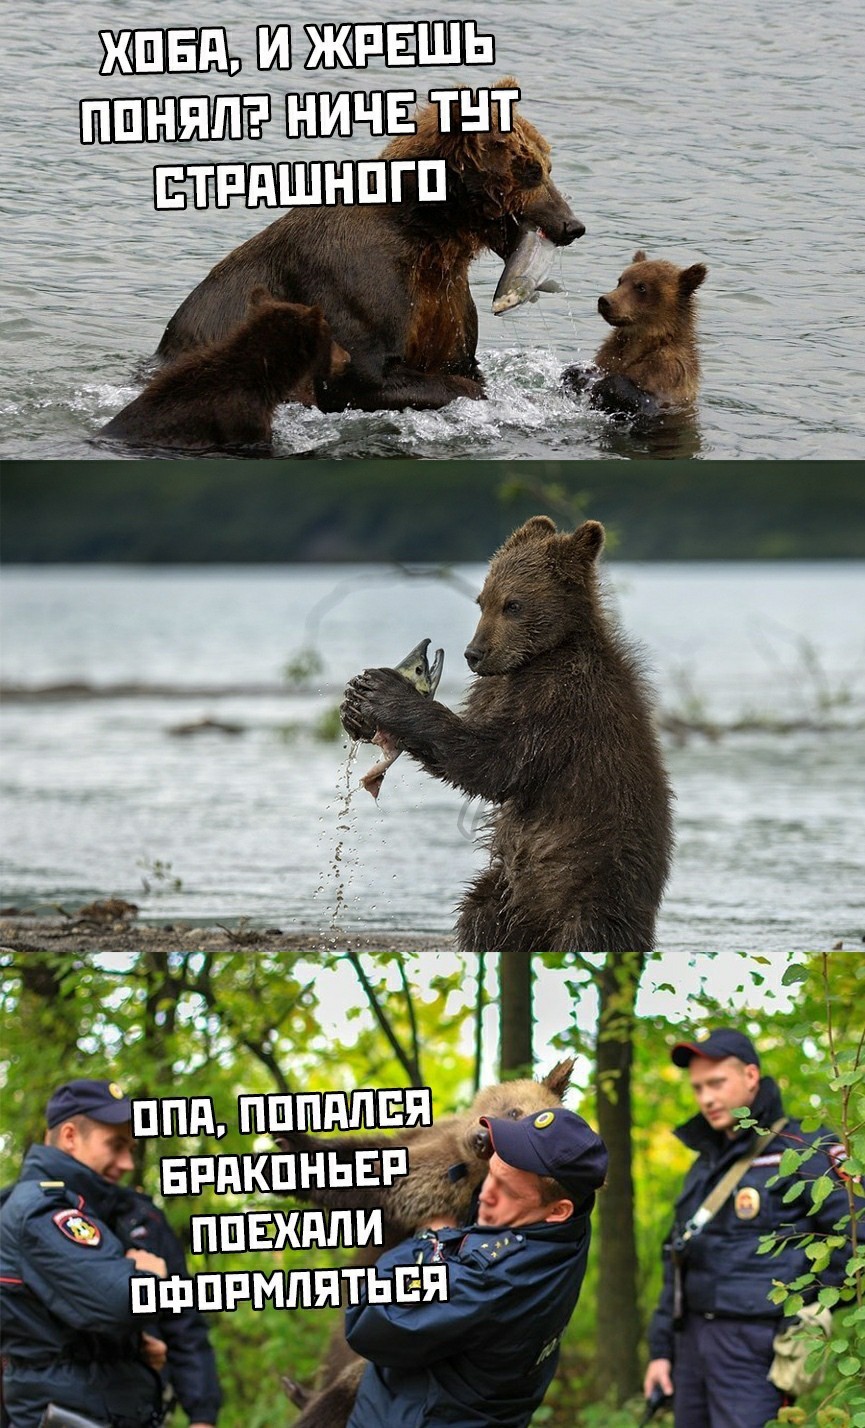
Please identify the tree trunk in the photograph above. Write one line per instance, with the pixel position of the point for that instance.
(618, 1330)
(515, 1014)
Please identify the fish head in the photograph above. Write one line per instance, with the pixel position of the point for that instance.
(519, 291)
(415, 667)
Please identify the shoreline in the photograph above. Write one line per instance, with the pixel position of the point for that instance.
(24, 932)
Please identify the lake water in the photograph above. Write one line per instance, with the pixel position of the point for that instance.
(728, 134)
(98, 797)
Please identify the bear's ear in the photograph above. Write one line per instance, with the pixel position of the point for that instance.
(691, 278)
(316, 315)
(639, 256)
(559, 1079)
(257, 298)
(586, 543)
(536, 528)
(508, 82)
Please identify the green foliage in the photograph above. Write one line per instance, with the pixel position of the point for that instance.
(841, 1399)
(158, 877)
(304, 667)
(221, 1024)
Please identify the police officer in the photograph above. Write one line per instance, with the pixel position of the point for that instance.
(490, 1352)
(711, 1335)
(72, 1239)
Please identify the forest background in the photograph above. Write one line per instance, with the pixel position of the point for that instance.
(227, 511)
(225, 1024)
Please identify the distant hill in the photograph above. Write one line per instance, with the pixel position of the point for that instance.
(193, 512)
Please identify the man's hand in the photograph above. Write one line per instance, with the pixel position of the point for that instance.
(440, 1223)
(154, 1351)
(150, 1263)
(658, 1372)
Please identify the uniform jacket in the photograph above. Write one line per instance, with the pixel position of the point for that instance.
(722, 1272)
(191, 1367)
(68, 1333)
(138, 1224)
(488, 1354)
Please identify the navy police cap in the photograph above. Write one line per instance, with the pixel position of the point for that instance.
(100, 1100)
(557, 1143)
(720, 1043)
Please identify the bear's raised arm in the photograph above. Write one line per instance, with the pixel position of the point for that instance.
(448, 747)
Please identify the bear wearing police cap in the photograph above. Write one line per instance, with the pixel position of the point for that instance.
(711, 1336)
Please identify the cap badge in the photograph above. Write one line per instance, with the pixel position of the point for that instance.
(545, 1119)
(115, 1091)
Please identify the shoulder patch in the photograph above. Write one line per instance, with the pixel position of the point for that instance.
(496, 1247)
(78, 1228)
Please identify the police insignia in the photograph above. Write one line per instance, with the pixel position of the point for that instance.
(78, 1228)
(747, 1203)
(115, 1091)
(545, 1119)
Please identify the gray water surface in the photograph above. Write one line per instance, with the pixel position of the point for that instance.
(726, 134)
(98, 797)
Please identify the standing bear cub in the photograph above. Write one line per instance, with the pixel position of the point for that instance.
(225, 394)
(557, 735)
(651, 361)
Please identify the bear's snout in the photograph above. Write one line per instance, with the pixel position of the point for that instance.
(481, 1143)
(612, 313)
(474, 654)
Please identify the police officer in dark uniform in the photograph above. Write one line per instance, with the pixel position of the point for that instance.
(710, 1338)
(490, 1352)
(72, 1239)
(190, 1371)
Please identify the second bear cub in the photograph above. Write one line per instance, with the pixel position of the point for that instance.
(650, 361)
(225, 394)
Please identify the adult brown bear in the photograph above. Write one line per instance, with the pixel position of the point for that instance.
(557, 734)
(393, 279)
(447, 1164)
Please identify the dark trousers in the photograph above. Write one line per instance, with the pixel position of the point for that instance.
(719, 1373)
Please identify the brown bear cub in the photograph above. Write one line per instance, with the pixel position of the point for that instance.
(225, 394)
(447, 1164)
(557, 735)
(650, 362)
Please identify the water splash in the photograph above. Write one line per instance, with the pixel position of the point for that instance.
(340, 878)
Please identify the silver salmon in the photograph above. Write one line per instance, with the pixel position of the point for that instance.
(526, 273)
(425, 677)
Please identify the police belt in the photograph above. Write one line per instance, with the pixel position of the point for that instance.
(708, 1210)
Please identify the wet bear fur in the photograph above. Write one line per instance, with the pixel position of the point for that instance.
(557, 735)
(225, 394)
(447, 1164)
(651, 361)
(392, 279)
